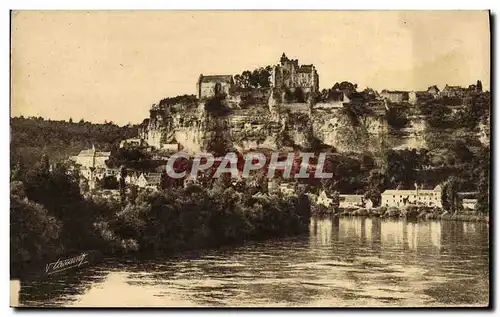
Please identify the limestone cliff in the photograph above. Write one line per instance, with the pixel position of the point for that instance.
(201, 126)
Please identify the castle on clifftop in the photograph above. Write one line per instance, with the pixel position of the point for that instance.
(289, 74)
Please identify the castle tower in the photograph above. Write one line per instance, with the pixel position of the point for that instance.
(283, 59)
(198, 86)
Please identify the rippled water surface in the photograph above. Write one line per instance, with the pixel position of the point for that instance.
(341, 262)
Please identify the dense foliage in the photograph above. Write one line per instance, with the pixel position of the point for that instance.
(193, 217)
(182, 99)
(258, 78)
(50, 216)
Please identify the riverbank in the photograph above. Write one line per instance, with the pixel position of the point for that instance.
(50, 218)
(410, 212)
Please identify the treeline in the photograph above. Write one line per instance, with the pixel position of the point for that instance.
(457, 113)
(192, 217)
(181, 99)
(258, 78)
(32, 137)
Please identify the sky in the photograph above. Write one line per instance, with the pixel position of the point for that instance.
(113, 65)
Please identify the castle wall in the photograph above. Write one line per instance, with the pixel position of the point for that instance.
(207, 89)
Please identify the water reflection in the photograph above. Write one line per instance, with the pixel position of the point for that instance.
(342, 262)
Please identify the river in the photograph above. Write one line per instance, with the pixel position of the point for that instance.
(354, 262)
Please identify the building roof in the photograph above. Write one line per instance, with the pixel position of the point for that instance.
(351, 198)
(394, 91)
(216, 78)
(91, 153)
(433, 87)
(453, 88)
(411, 191)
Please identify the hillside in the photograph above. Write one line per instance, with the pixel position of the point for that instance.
(33, 137)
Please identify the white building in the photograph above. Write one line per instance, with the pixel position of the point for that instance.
(91, 164)
(469, 203)
(150, 181)
(91, 158)
(133, 142)
(350, 201)
(324, 199)
(401, 198)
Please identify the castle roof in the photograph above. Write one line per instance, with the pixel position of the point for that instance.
(305, 69)
(216, 78)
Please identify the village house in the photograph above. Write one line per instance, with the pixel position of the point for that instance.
(453, 92)
(417, 196)
(345, 201)
(433, 91)
(149, 181)
(130, 177)
(324, 200)
(395, 96)
(108, 172)
(351, 201)
(131, 143)
(91, 158)
(469, 203)
(214, 85)
(336, 100)
(416, 96)
(92, 165)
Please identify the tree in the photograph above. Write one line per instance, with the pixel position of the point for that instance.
(16, 171)
(132, 194)
(346, 87)
(298, 95)
(335, 199)
(403, 167)
(397, 116)
(289, 97)
(483, 184)
(34, 233)
(123, 175)
(109, 182)
(449, 197)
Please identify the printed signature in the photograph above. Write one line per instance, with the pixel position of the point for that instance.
(64, 264)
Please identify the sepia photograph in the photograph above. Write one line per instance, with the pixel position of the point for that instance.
(247, 159)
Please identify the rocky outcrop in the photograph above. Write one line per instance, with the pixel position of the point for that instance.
(196, 127)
